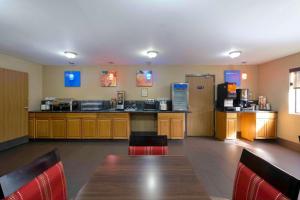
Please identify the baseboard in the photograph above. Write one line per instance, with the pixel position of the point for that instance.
(288, 144)
(12, 143)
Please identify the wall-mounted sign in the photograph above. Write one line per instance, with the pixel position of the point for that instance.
(232, 76)
(108, 78)
(144, 78)
(144, 92)
(72, 78)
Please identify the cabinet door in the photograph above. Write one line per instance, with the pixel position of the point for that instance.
(104, 128)
(74, 128)
(271, 128)
(58, 128)
(164, 127)
(42, 128)
(231, 128)
(261, 128)
(177, 128)
(31, 128)
(120, 128)
(89, 128)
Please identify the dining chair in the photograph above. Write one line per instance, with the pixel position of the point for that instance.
(148, 145)
(41, 179)
(258, 179)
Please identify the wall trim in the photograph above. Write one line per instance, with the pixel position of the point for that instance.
(12, 143)
(288, 144)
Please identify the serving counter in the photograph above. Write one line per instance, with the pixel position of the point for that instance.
(251, 124)
(107, 124)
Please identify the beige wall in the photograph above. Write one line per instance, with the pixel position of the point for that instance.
(53, 77)
(274, 83)
(34, 74)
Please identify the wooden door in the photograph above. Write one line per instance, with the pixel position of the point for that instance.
(271, 128)
(231, 125)
(73, 128)
(2, 135)
(14, 103)
(58, 128)
(42, 128)
(120, 128)
(177, 129)
(164, 126)
(201, 104)
(89, 128)
(104, 128)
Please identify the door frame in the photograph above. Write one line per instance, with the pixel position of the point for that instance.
(214, 98)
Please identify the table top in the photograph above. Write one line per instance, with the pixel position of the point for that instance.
(144, 177)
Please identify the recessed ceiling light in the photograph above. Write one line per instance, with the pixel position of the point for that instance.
(234, 54)
(70, 54)
(152, 54)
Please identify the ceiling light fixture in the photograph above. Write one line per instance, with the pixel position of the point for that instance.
(70, 54)
(234, 54)
(152, 54)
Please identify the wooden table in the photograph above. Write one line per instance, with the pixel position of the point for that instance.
(144, 177)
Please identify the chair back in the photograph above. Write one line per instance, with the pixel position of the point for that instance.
(148, 145)
(259, 178)
(25, 178)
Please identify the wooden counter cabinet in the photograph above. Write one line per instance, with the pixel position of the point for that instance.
(253, 125)
(42, 125)
(79, 125)
(89, 126)
(266, 124)
(226, 125)
(113, 125)
(31, 125)
(57, 124)
(171, 125)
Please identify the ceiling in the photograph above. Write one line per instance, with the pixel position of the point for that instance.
(120, 31)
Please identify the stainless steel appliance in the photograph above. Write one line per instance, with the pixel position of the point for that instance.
(226, 93)
(120, 100)
(91, 105)
(242, 98)
(150, 104)
(65, 105)
(163, 105)
(46, 105)
(180, 94)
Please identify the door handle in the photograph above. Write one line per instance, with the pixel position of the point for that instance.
(26, 108)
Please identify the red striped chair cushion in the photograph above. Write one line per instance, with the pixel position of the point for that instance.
(250, 186)
(50, 185)
(147, 150)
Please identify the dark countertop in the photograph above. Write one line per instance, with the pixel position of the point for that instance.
(111, 111)
(250, 111)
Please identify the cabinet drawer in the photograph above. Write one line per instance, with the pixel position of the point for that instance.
(58, 115)
(31, 115)
(113, 115)
(88, 115)
(42, 115)
(231, 115)
(266, 115)
(171, 115)
(80, 115)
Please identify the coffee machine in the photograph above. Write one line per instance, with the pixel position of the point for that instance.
(120, 100)
(242, 98)
(226, 94)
